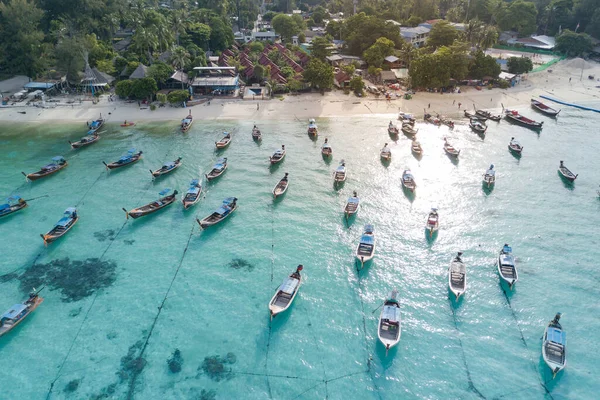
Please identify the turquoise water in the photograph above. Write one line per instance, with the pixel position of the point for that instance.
(122, 295)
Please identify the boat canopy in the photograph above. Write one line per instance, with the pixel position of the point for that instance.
(70, 210)
(91, 131)
(278, 152)
(64, 221)
(369, 228)
(4, 207)
(221, 161)
(126, 157)
(391, 313)
(58, 158)
(170, 164)
(311, 121)
(95, 124)
(490, 172)
(194, 182)
(353, 200)
(229, 201)
(367, 239)
(386, 150)
(14, 311)
(507, 249)
(557, 336)
(407, 175)
(507, 259)
(164, 192)
(341, 168)
(289, 285)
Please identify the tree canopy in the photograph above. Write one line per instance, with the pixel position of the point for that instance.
(442, 34)
(319, 74)
(375, 54)
(519, 65)
(285, 26)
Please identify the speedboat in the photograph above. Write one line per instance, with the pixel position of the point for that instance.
(566, 173)
(506, 266)
(278, 155)
(457, 276)
(227, 208)
(256, 135)
(392, 129)
(554, 346)
(386, 153)
(126, 159)
(408, 181)
(18, 312)
(224, 142)
(192, 196)
(166, 168)
(326, 149)
(515, 147)
(390, 322)
(339, 175)
(352, 205)
(433, 222)
(312, 127)
(13, 204)
(286, 293)
(218, 169)
(489, 177)
(63, 226)
(281, 187)
(450, 150)
(365, 250)
(164, 200)
(58, 163)
(186, 123)
(416, 148)
(543, 108)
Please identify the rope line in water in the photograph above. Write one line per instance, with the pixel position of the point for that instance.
(270, 283)
(318, 352)
(512, 311)
(160, 308)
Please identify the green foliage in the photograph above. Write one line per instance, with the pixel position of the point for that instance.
(519, 65)
(285, 26)
(357, 84)
(319, 74)
(20, 37)
(319, 48)
(482, 65)
(106, 66)
(152, 107)
(436, 69)
(319, 14)
(180, 58)
(373, 70)
(301, 37)
(160, 72)
(120, 63)
(69, 59)
(480, 35)
(593, 27)
(414, 21)
(287, 72)
(178, 96)
(268, 16)
(294, 85)
(442, 34)
(200, 34)
(144, 88)
(573, 44)
(361, 31)
(123, 88)
(131, 66)
(221, 35)
(259, 72)
(257, 47)
(349, 69)
(520, 16)
(375, 54)
(161, 98)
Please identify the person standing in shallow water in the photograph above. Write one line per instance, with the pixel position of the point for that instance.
(257, 106)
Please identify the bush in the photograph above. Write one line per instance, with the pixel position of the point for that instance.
(503, 84)
(161, 97)
(178, 96)
(152, 107)
(357, 84)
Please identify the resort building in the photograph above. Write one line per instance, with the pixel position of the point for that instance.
(417, 36)
(221, 81)
(265, 36)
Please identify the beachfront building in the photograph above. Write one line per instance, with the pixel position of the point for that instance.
(392, 62)
(140, 72)
(220, 81)
(268, 36)
(341, 79)
(536, 42)
(340, 60)
(417, 36)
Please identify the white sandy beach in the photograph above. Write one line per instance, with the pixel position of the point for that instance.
(579, 90)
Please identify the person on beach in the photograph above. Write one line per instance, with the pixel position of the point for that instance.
(454, 102)
(459, 104)
(429, 105)
(257, 106)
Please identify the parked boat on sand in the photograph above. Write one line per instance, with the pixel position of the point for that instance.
(543, 108)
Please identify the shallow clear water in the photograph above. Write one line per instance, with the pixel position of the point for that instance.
(206, 292)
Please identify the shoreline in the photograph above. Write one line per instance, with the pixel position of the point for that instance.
(564, 82)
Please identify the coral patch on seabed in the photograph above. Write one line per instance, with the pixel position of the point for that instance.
(75, 279)
(238, 263)
(175, 361)
(129, 242)
(215, 367)
(130, 364)
(108, 234)
(72, 386)
(203, 395)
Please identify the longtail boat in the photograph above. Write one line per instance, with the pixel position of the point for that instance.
(281, 187)
(278, 155)
(192, 196)
(58, 163)
(18, 312)
(13, 204)
(166, 168)
(224, 142)
(543, 108)
(514, 116)
(186, 123)
(63, 226)
(126, 159)
(390, 322)
(96, 125)
(163, 201)
(227, 208)
(91, 137)
(286, 293)
(218, 169)
(566, 173)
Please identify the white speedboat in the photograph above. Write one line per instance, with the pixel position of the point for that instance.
(390, 322)
(286, 293)
(365, 250)
(457, 276)
(506, 266)
(554, 346)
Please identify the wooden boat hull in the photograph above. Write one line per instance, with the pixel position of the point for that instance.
(452, 152)
(147, 209)
(51, 237)
(34, 176)
(79, 144)
(555, 367)
(13, 209)
(544, 109)
(161, 172)
(185, 128)
(275, 310)
(222, 145)
(280, 191)
(515, 150)
(187, 202)
(115, 165)
(274, 160)
(210, 176)
(456, 289)
(5, 329)
(509, 280)
(568, 176)
(207, 224)
(393, 131)
(528, 124)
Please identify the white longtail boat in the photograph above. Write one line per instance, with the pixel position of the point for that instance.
(281, 186)
(365, 250)
(390, 322)
(286, 293)
(506, 266)
(352, 205)
(433, 222)
(457, 276)
(18, 312)
(339, 175)
(554, 346)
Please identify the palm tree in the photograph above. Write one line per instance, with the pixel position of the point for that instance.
(488, 37)
(179, 59)
(144, 40)
(179, 23)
